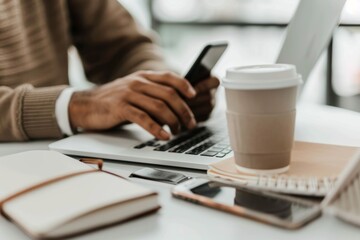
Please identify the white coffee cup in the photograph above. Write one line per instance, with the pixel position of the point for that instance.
(261, 110)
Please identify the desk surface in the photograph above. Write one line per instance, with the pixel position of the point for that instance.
(182, 220)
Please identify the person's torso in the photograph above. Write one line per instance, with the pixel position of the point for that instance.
(34, 39)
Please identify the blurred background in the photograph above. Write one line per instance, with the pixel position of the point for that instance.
(255, 30)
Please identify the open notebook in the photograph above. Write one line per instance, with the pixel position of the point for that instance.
(314, 169)
(50, 195)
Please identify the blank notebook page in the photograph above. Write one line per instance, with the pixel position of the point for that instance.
(26, 169)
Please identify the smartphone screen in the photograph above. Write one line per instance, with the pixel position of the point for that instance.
(283, 209)
(207, 59)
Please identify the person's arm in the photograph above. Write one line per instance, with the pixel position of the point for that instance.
(28, 113)
(114, 49)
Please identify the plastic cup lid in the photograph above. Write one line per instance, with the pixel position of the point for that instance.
(269, 76)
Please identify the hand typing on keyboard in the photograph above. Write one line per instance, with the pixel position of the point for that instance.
(199, 141)
(148, 98)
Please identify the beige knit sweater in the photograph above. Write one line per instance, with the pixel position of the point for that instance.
(34, 38)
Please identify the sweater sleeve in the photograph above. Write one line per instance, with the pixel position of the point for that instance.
(109, 41)
(28, 113)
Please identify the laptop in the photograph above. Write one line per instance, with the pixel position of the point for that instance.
(309, 32)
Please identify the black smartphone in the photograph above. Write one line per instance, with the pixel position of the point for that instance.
(207, 59)
(275, 209)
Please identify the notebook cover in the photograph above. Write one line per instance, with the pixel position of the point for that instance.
(307, 160)
(41, 210)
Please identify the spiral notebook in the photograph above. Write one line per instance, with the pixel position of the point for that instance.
(314, 169)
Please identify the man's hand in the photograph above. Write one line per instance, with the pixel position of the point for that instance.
(204, 102)
(149, 99)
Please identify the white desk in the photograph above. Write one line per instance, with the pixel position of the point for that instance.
(182, 220)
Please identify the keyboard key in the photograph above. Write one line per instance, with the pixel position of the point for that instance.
(220, 155)
(152, 143)
(226, 151)
(193, 152)
(217, 149)
(141, 145)
(209, 153)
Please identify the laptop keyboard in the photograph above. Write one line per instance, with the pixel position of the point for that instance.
(200, 141)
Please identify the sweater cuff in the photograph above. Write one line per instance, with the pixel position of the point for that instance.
(62, 111)
(38, 112)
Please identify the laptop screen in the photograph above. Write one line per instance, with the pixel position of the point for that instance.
(309, 33)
